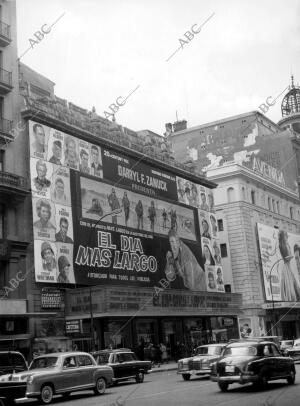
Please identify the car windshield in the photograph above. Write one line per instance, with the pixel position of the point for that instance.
(209, 350)
(102, 358)
(240, 351)
(44, 362)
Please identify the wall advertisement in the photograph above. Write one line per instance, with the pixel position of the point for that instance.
(280, 257)
(101, 217)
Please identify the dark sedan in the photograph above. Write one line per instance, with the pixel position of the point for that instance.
(252, 361)
(124, 363)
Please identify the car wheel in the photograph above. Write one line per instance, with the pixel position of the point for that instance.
(223, 386)
(100, 386)
(186, 377)
(139, 377)
(291, 378)
(46, 396)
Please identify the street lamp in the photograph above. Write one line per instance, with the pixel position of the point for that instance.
(287, 258)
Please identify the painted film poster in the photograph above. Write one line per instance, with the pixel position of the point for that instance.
(103, 218)
(280, 257)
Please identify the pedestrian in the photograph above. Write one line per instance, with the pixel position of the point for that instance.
(164, 355)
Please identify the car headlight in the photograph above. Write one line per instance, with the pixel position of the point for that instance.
(30, 379)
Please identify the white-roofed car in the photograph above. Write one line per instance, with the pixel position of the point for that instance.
(60, 373)
(200, 363)
(294, 352)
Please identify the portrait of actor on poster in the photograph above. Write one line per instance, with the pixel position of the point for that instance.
(245, 327)
(55, 147)
(84, 157)
(96, 161)
(43, 211)
(202, 191)
(279, 251)
(187, 192)
(60, 188)
(65, 263)
(207, 255)
(64, 224)
(38, 139)
(210, 278)
(41, 177)
(45, 261)
(205, 224)
(71, 158)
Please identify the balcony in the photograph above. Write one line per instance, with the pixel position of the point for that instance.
(5, 38)
(5, 82)
(6, 127)
(12, 187)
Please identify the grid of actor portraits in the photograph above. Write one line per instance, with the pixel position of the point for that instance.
(52, 154)
(202, 198)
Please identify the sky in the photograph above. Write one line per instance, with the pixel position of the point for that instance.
(100, 51)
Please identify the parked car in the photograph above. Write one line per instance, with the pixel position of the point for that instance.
(59, 373)
(200, 363)
(285, 345)
(294, 352)
(124, 363)
(252, 361)
(12, 362)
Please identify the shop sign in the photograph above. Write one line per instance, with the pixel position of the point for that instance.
(73, 326)
(51, 298)
(227, 321)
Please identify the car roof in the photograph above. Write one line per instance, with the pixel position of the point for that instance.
(11, 352)
(213, 345)
(249, 342)
(61, 354)
(108, 350)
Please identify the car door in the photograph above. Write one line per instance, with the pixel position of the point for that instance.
(117, 365)
(86, 369)
(282, 364)
(131, 364)
(70, 374)
(124, 365)
(269, 361)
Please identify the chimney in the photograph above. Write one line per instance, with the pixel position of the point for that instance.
(169, 129)
(179, 125)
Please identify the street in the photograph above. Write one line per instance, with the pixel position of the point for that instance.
(168, 388)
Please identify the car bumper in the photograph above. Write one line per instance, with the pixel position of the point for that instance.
(203, 371)
(242, 378)
(13, 390)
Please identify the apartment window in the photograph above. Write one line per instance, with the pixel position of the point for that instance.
(220, 225)
(292, 213)
(1, 160)
(230, 194)
(223, 249)
(278, 207)
(273, 204)
(252, 196)
(2, 214)
(269, 203)
(243, 193)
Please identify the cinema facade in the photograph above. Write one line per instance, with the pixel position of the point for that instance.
(105, 260)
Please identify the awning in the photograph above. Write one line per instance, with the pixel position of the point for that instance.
(34, 314)
(16, 337)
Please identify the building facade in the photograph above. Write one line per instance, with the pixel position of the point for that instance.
(262, 219)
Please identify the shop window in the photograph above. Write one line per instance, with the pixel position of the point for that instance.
(223, 248)
(220, 225)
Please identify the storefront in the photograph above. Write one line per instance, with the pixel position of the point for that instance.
(125, 317)
(283, 319)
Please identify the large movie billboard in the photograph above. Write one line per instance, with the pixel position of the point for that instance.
(100, 217)
(280, 256)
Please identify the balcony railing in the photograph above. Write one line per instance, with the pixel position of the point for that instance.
(5, 30)
(5, 77)
(12, 180)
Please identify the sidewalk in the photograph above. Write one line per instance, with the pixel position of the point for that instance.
(171, 366)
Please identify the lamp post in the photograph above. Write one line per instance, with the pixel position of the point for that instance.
(289, 257)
